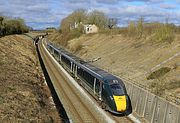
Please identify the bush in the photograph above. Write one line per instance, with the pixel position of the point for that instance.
(158, 73)
(164, 33)
(75, 45)
(136, 29)
(132, 29)
(12, 26)
(140, 29)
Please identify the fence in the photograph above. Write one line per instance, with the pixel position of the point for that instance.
(151, 107)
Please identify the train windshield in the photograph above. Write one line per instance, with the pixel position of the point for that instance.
(117, 90)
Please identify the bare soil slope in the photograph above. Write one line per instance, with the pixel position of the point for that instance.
(133, 59)
(23, 95)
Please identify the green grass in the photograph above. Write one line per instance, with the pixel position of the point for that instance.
(158, 73)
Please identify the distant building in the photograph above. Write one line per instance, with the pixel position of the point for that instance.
(73, 26)
(88, 28)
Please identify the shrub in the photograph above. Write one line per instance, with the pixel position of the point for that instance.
(132, 29)
(140, 25)
(75, 45)
(158, 73)
(12, 26)
(165, 33)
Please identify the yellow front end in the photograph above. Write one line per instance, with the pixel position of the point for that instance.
(120, 103)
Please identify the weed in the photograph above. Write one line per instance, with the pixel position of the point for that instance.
(132, 29)
(140, 27)
(164, 33)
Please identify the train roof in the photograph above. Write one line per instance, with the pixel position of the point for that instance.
(75, 58)
(101, 72)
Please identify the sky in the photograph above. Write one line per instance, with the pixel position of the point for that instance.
(41, 14)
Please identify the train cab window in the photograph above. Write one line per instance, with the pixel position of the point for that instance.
(117, 90)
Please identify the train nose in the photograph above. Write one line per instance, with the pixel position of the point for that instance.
(120, 102)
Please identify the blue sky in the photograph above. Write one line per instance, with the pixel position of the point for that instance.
(40, 14)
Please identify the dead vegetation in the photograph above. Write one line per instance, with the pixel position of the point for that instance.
(23, 95)
(75, 45)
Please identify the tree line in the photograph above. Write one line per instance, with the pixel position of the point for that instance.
(12, 26)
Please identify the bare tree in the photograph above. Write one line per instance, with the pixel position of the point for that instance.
(1, 20)
(98, 18)
(112, 23)
(77, 16)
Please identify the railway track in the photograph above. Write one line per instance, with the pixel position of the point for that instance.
(80, 112)
(123, 119)
(75, 105)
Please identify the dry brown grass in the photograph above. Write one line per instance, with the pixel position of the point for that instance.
(22, 97)
(165, 33)
(75, 45)
(62, 38)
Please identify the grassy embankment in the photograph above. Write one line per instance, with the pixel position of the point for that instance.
(24, 97)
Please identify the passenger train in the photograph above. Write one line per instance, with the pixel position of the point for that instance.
(107, 89)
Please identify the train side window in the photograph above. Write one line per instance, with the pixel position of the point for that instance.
(88, 78)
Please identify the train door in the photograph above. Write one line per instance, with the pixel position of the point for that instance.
(59, 57)
(52, 51)
(74, 69)
(71, 67)
(100, 91)
(94, 88)
(98, 88)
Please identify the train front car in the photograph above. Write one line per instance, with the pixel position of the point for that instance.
(116, 97)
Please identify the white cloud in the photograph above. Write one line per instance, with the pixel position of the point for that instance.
(41, 13)
(168, 6)
(107, 1)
